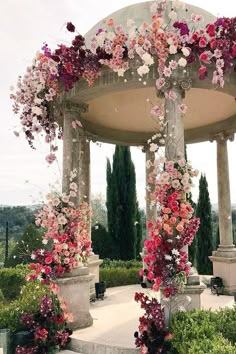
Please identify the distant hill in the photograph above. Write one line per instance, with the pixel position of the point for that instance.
(215, 206)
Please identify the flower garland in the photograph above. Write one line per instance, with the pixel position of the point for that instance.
(172, 45)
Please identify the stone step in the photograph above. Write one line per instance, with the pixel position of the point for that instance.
(68, 352)
(81, 346)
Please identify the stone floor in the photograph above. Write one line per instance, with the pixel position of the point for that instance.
(116, 317)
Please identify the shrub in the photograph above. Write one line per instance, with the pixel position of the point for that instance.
(108, 263)
(216, 345)
(28, 301)
(11, 281)
(226, 323)
(119, 276)
(205, 331)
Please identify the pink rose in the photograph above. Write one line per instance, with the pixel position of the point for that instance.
(179, 227)
(66, 261)
(202, 69)
(202, 42)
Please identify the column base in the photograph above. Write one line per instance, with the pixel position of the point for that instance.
(225, 268)
(93, 264)
(75, 291)
(189, 298)
(227, 251)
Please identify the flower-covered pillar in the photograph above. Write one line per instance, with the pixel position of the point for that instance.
(85, 196)
(74, 287)
(224, 259)
(173, 93)
(150, 202)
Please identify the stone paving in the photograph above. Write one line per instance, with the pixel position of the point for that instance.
(115, 319)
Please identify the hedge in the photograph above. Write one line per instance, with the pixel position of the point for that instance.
(205, 331)
(108, 263)
(119, 276)
(11, 281)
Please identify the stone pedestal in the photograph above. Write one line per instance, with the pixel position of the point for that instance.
(93, 264)
(187, 299)
(226, 269)
(75, 288)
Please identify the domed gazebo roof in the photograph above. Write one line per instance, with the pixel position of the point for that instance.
(141, 13)
(119, 112)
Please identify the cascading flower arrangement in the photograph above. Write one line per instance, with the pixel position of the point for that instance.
(67, 233)
(174, 228)
(170, 45)
(153, 337)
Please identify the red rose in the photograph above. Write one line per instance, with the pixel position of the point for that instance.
(195, 37)
(202, 69)
(48, 259)
(211, 30)
(204, 57)
(150, 225)
(213, 43)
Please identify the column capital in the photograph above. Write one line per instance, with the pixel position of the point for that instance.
(79, 108)
(223, 136)
(175, 83)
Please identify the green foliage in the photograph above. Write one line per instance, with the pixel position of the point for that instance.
(28, 301)
(215, 345)
(18, 217)
(99, 216)
(31, 240)
(11, 282)
(101, 241)
(122, 205)
(119, 276)
(204, 235)
(205, 331)
(193, 247)
(2, 298)
(226, 323)
(108, 263)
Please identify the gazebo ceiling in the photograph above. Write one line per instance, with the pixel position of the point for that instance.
(119, 112)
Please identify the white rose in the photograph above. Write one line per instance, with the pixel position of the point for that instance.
(142, 70)
(147, 58)
(172, 15)
(182, 62)
(172, 49)
(111, 36)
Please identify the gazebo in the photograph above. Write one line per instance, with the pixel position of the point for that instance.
(116, 110)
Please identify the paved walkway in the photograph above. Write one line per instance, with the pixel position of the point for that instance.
(116, 317)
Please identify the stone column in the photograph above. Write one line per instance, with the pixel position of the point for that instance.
(75, 286)
(174, 148)
(70, 151)
(84, 170)
(85, 196)
(224, 259)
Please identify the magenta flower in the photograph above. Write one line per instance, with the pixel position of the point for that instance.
(70, 27)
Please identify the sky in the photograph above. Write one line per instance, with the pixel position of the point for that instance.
(24, 26)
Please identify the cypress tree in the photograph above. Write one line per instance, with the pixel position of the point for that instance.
(205, 233)
(122, 204)
(193, 247)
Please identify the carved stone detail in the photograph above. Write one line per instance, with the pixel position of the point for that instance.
(222, 136)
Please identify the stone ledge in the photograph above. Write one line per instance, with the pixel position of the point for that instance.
(79, 278)
(221, 259)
